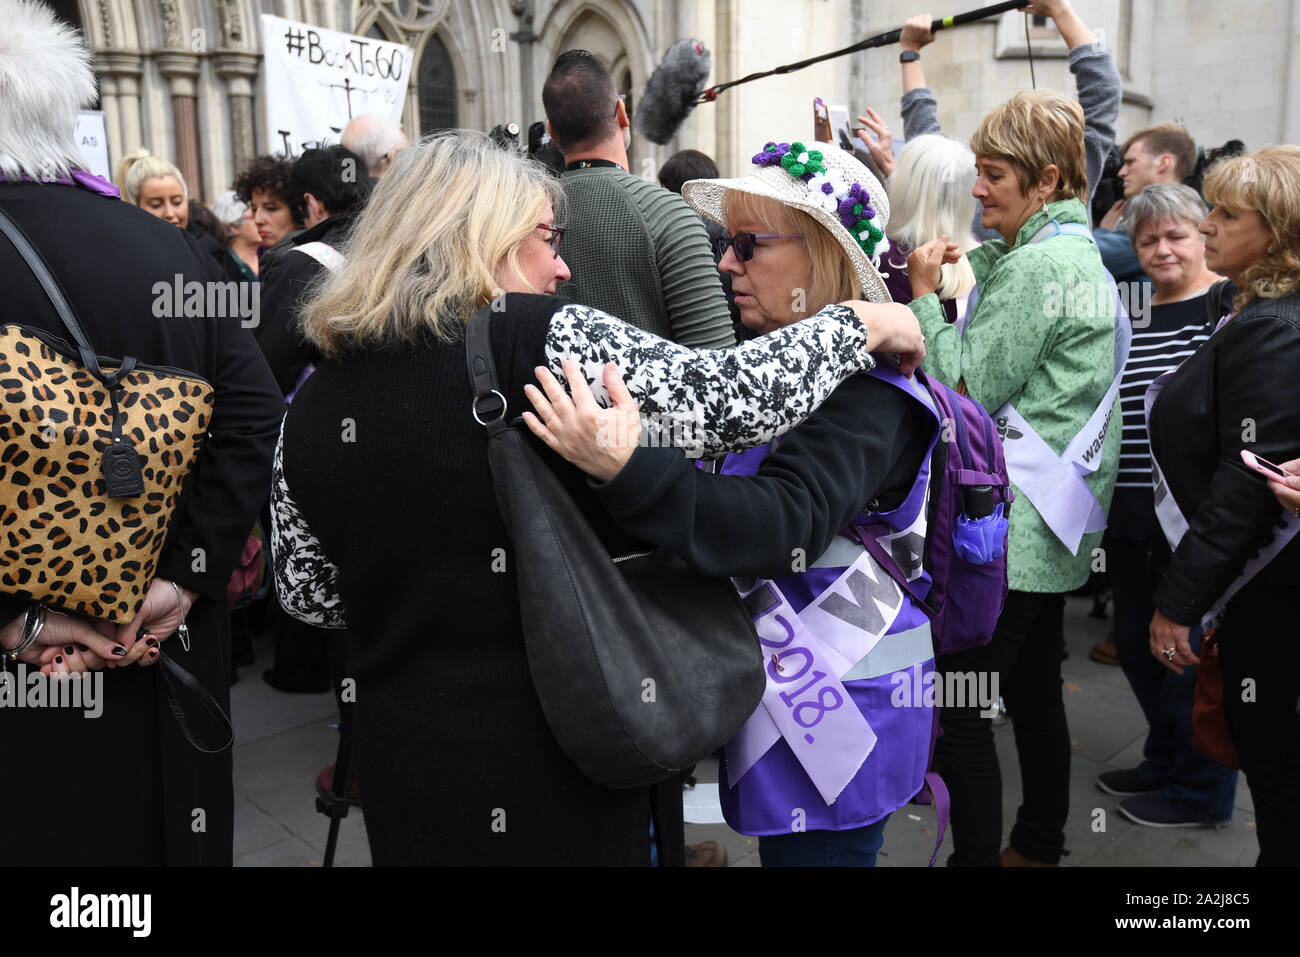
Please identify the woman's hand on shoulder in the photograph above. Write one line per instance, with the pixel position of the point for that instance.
(597, 440)
(892, 328)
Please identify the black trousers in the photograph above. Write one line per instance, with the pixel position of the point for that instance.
(1261, 692)
(1025, 654)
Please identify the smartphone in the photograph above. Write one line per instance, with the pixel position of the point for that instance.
(1264, 467)
(839, 120)
(821, 122)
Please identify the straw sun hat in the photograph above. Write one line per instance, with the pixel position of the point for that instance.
(830, 185)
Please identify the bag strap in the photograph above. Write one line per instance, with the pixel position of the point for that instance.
(173, 676)
(488, 397)
(1214, 301)
(60, 303)
(887, 562)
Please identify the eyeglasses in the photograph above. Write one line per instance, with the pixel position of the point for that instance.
(743, 243)
(555, 238)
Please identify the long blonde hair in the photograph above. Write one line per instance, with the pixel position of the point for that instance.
(140, 165)
(424, 253)
(1267, 182)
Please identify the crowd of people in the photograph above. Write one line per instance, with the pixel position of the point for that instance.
(1135, 361)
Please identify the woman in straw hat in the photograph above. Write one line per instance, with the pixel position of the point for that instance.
(831, 752)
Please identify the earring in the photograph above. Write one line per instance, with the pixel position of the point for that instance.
(1272, 250)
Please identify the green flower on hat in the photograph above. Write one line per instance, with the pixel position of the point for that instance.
(801, 161)
(867, 234)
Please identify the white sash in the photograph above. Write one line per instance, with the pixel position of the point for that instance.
(323, 253)
(1055, 484)
(828, 637)
(1174, 524)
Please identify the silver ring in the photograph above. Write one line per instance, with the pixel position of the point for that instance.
(1169, 654)
(474, 408)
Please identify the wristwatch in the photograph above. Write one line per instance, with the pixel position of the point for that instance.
(909, 56)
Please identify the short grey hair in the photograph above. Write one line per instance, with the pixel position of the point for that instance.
(373, 138)
(1162, 201)
(229, 209)
(45, 78)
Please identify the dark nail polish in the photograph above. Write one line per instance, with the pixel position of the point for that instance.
(154, 653)
(68, 650)
(119, 651)
(151, 642)
(58, 659)
(81, 647)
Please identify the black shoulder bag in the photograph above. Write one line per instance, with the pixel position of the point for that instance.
(642, 666)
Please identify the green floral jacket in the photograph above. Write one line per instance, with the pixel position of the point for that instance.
(1042, 337)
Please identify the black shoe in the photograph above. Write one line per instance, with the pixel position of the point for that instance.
(1151, 810)
(1126, 783)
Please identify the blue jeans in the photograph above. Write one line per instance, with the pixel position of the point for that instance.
(855, 848)
(1189, 780)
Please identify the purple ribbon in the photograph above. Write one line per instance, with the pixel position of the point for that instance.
(82, 178)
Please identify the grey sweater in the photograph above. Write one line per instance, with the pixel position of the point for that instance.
(1100, 89)
(638, 252)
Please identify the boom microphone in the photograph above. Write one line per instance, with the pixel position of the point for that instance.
(677, 85)
(674, 88)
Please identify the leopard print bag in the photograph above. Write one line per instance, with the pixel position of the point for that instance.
(92, 462)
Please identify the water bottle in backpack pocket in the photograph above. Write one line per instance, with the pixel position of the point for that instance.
(967, 524)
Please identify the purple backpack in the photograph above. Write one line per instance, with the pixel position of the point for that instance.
(966, 544)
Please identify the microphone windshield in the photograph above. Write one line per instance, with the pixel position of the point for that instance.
(672, 91)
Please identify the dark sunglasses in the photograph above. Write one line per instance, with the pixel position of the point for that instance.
(743, 243)
(555, 238)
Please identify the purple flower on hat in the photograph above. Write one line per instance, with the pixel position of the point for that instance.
(828, 189)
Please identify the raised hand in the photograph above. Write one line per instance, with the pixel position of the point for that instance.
(881, 145)
(916, 32)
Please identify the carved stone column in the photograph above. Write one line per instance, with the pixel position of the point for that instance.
(239, 70)
(181, 70)
(120, 96)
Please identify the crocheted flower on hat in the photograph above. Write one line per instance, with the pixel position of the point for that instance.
(849, 201)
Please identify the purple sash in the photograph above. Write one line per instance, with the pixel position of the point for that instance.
(829, 748)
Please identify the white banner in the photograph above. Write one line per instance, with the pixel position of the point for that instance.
(92, 141)
(318, 79)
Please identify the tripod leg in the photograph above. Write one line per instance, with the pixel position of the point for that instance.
(337, 807)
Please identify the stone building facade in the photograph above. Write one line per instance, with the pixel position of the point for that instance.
(185, 79)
